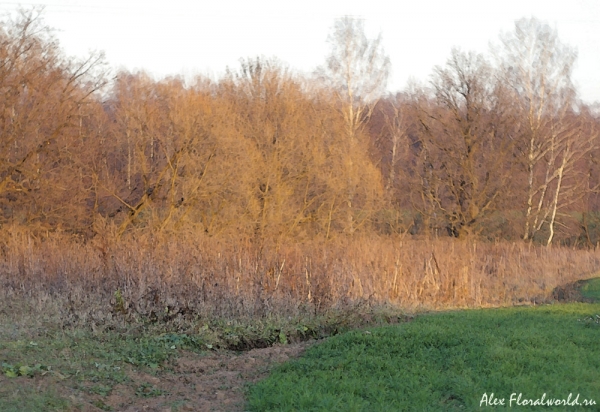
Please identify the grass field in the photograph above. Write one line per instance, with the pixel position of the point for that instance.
(44, 367)
(459, 360)
(591, 289)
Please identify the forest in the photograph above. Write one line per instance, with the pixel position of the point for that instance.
(166, 243)
(267, 189)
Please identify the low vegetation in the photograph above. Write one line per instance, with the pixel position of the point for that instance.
(445, 362)
(112, 327)
(590, 290)
(189, 282)
(47, 364)
(113, 323)
(150, 227)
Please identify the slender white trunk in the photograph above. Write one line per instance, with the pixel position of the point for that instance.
(560, 173)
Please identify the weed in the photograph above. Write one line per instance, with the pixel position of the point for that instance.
(86, 320)
(101, 405)
(119, 305)
(13, 371)
(146, 390)
(101, 390)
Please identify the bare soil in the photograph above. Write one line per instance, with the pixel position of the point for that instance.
(193, 382)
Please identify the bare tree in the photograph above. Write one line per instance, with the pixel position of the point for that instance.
(291, 168)
(44, 100)
(466, 142)
(564, 182)
(161, 153)
(538, 67)
(357, 71)
(388, 126)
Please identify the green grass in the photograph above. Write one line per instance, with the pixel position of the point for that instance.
(28, 399)
(591, 289)
(86, 361)
(79, 353)
(76, 366)
(445, 362)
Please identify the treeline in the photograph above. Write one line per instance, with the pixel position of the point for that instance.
(494, 145)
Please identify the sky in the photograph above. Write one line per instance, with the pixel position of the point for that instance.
(178, 37)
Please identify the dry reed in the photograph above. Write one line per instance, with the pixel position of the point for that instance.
(166, 279)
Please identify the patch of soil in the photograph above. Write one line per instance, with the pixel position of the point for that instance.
(193, 382)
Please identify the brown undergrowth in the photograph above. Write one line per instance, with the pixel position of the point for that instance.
(182, 281)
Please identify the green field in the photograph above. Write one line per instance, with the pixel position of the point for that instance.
(591, 289)
(447, 361)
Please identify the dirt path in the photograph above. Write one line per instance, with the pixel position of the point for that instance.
(214, 382)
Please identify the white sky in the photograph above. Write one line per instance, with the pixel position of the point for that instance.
(204, 37)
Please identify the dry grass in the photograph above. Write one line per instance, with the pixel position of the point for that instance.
(174, 279)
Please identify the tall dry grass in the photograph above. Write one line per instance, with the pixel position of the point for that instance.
(172, 278)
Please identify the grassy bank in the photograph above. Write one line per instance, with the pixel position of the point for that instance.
(446, 361)
(46, 365)
(431, 361)
(111, 324)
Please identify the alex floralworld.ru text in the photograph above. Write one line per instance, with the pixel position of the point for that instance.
(519, 400)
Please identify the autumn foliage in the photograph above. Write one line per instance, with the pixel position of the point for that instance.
(266, 188)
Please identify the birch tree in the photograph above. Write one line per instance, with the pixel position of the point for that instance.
(357, 70)
(538, 67)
